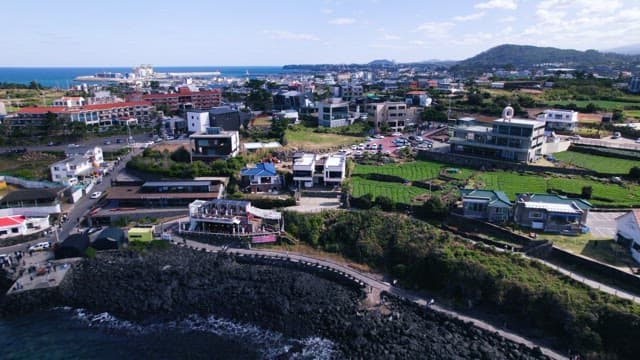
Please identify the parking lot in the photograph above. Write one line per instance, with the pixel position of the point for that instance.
(603, 224)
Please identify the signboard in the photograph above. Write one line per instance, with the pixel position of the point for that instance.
(263, 239)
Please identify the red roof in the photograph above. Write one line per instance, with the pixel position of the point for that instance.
(11, 220)
(114, 105)
(42, 110)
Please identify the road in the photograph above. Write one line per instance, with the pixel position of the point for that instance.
(608, 141)
(378, 285)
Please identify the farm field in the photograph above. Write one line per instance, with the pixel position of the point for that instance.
(602, 104)
(305, 138)
(601, 164)
(412, 171)
(397, 192)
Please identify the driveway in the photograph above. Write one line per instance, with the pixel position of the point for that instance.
(315, 204)
(603, 224)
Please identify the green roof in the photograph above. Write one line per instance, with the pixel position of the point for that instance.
(557, 199)
(496, 198)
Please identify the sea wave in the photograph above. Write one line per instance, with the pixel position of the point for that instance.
(270, 344)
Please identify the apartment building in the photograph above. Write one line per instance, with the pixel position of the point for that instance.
(184, 99)
(77, 166)
(69, 101)
(395, 115)
(506, 138)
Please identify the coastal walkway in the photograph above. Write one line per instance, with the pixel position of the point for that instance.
(374, 286)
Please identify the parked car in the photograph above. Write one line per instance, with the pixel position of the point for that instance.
(638, 141)
(118, 141)
(92, 230)
(397, 133)
(39, 246)
(575, 137)
(96, 194)
(107, 142)
(73, 145)
(616, 135)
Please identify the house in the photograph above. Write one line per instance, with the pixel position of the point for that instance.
(334, 169)
(333, 113)
(628, 232)
(261, 178)
(75, 245)
(197, 121)
(110, 238)
(214, 144)
(291, 116)
(232, 217)
(288, 100)
(303, 169)
(486, 205)
(551, 213)
(394, 115)
(563, 120)
(507, 138)
(77, 165)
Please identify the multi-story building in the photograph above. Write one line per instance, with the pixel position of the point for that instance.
(261, 178)
(184, 99)
(334, 170)
(418, 98)
(290, 115)
(392, 114)
(564, 120)
(333, 113)
(505, 139)
(351, 92)
(288, 99)
(225, 117)
(69, 101)
(214, 144)
(76, 166)
(303, 169)
(197, 121)
(233, 217)
(634, 85)
(97, 114)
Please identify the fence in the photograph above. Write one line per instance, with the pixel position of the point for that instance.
(29, 184)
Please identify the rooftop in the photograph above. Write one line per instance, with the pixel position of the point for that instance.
(557, 208)
(494, 197)
(532, 123)
(334, 160)
(554, 199)
(305, 160)
(11, 220)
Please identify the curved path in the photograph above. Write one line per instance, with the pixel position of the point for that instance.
(379, 286)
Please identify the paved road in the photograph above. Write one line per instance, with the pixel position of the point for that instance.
(374, 283)
(621, 143)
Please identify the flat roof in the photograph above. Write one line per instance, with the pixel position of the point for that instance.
(177, 183)
(559, 208)
(133, 193)
(305, 159)
(520, 122)
(334, 160)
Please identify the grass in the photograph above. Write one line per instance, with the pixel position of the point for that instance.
(603, 194)
(412, 171)
(306, 138)
(397, 192)
(601, 164)
(27, 167)
(632, 114)
(603, 250)
(602, 104)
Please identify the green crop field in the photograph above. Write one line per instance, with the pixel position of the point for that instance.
(602, 104)
(412, 171)
(601, 164)
(603, 194)
(397, 192)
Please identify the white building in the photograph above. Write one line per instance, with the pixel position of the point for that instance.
(197, 121)
(334, 169)
(77, 165)
(628, 232)
(214, 144)
(566, 120)
(69, 101)
(333, 113)
(303, 169)
(291, 115)
(16, 225)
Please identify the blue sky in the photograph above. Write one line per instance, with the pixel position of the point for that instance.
(278, 32)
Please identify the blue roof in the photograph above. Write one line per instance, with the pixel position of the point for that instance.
(261, 169)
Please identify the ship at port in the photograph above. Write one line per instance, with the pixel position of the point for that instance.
(144, 72)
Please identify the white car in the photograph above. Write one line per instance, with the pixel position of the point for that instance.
(574, 137)
(39, 246)
(354, 147)
(96, 194)
(638, 141)
(73, 145)
(397, 134)
(379, 136)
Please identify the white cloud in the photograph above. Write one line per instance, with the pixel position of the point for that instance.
(497, 4)
(342, 21)
(470, 17)
(417, 42)
(507, 19)
(288, 35)
(435, 30)
(327, 11)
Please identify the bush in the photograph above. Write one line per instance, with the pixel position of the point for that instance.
(181, 155)
(634, 173)
(385, 203)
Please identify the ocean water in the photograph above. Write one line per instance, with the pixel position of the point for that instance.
(66, 333)
(63, 77)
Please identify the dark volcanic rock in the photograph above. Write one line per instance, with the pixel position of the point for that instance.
(178, 282)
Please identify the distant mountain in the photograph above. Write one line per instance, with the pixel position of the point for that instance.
(381, 63)
(526, 56)
(632, 49)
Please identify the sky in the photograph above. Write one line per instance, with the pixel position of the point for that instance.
(279, 32)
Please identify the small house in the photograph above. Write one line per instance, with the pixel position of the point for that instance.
(486, 205)
(628, 232)
(75, 245)
(109, 239)
(551, 213)
(261, 178)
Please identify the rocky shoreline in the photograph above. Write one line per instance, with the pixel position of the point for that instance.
(178, 282)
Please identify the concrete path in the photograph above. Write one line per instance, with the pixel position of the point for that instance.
(379, 286)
